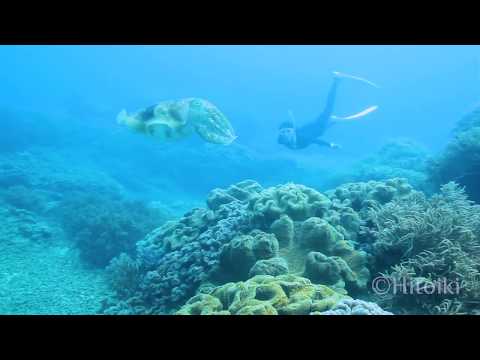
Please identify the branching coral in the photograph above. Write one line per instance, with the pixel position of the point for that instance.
(429, 241)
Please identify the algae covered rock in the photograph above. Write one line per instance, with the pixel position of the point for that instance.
(274, 267)
(238, 256)
(265, 295)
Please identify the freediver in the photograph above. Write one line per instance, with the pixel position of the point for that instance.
(299, 138)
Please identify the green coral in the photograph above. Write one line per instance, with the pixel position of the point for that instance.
(238, 257)
(297, 201)
(264, 295)
(284, 230)
(317, 234)
(322, 269)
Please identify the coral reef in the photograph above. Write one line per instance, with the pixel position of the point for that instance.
(102, 227)
(296, 201)
(45, 170)
(167, 278)
(284, 230)
(398, 158)
(323, 269)
(24, 226)
(421, 243)
(235, 238)
(355, 307)
(274, 267)
(264, 295)
(243, 251)
(460, 160)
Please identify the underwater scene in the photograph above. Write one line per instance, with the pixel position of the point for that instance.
(239, 180)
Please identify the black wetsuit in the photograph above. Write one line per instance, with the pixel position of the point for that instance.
(310, 133)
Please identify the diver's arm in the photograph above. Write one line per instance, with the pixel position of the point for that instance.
(322, 142)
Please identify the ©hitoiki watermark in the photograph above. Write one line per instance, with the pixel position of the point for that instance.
(383, 285)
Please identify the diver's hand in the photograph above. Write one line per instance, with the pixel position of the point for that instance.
(335, 146)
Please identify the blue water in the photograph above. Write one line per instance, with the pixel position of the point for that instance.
(63, 101)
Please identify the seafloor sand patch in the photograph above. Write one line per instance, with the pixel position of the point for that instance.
(45, 278)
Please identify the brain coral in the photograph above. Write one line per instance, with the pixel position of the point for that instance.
(297, 201)
(264, 295)
(363, 195)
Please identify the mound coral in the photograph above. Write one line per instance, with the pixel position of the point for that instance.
(264, 295)
(361, 196)
(243, 251)
(460, 160)
(274, 267)
(296, 201)
(327, 270)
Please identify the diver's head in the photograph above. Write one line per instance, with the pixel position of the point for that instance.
(287, 135)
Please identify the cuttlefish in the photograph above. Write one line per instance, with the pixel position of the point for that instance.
(174, 120)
